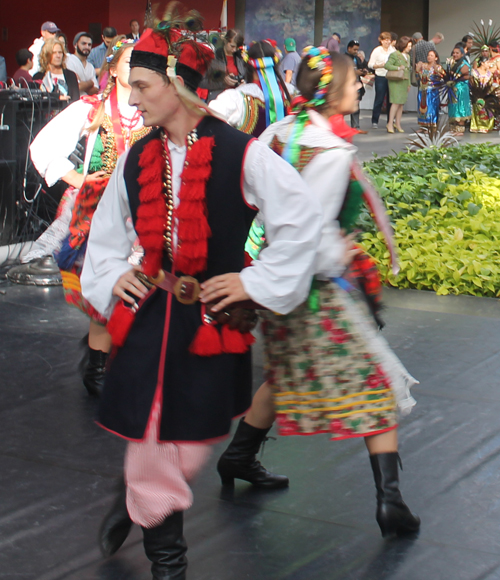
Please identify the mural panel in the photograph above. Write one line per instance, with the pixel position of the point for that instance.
(353, 20)
(279, 19)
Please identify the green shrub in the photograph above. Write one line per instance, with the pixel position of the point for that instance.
(446, 215)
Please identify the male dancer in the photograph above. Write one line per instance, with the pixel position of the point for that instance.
(189, 191)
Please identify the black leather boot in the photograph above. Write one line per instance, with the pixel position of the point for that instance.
(166, 548)
(239, 460)
(393, 515)
(94, 371)
(116, 525)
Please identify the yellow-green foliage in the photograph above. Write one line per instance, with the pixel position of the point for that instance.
(452, 246)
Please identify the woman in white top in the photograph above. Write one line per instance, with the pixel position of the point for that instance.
(112, 126)
(327, 369)
(377, 62)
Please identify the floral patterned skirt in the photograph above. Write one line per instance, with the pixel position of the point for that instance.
(74, 297)
(330, 371)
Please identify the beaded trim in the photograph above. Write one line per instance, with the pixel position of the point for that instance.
(168, 190)
(110, 155)
(253, 108)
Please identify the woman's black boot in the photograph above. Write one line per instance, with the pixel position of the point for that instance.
(166, 548)
(94, 371)
(393, 515)
(116, 525)
(239, 460)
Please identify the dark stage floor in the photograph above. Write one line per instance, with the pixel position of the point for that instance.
(57, 468)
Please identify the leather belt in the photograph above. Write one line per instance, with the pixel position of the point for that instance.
(185, 288)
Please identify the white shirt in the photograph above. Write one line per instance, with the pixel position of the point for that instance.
(57, 140)
(36, 49)
(231, 104)
(379, 57)
(84, 73)
(279, 280)
(327, 175)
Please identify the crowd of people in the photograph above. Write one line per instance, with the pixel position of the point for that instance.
(180, 225)
(49, 62)
(393, 66)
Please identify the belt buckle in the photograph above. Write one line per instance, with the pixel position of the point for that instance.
(187, 290)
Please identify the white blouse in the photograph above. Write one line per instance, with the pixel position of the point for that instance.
(379, 57)
(327, 175)
(54, 144)
(279, 280)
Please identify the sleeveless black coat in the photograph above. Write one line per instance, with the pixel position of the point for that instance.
(199, 395)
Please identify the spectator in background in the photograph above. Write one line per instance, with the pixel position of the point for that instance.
(55, 77)
(134, 30)
(78, 63)
(229, 54)
(360, 71)
(24, 60)
(64, 40)
(422, 47)
(228, 69)
(394, 39)
(332, 44)
(399, 60)
(97, 54)
(437, 38)
(290, 64)
(378, 58)
(468, 41)
(47, 31)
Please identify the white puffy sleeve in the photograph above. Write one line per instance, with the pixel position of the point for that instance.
(109, 245)
(328, 176)
(231, 105)
(57, 141)
(281, 278)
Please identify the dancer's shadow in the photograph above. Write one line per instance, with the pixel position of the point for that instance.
(392, 555)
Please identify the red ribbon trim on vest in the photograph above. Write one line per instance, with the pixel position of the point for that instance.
(193, 231)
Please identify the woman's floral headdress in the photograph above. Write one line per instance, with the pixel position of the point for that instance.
(318, 58)
(118, 45)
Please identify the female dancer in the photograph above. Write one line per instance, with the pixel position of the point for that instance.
(112, 127)
(428, 94)
(483, 92)
(263, 99)
(327, 369)
(459, 112)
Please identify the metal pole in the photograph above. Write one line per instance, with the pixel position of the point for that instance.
(239, 15)
(319, 6)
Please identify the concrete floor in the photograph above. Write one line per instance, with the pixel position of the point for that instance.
(382, 143)
(57, 468)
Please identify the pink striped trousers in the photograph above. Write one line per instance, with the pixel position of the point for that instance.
(157, 475)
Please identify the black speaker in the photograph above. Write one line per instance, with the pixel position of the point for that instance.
(22, 115)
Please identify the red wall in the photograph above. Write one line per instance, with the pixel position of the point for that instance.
(21, 23)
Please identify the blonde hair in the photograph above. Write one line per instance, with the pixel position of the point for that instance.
(385, 36)
(46, 54)
(111, 84)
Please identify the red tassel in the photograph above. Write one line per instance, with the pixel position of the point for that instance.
(249, 338)
(233, 341)
(206, 341)
(120, 323)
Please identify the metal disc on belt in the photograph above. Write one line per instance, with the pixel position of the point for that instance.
(39, 272)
